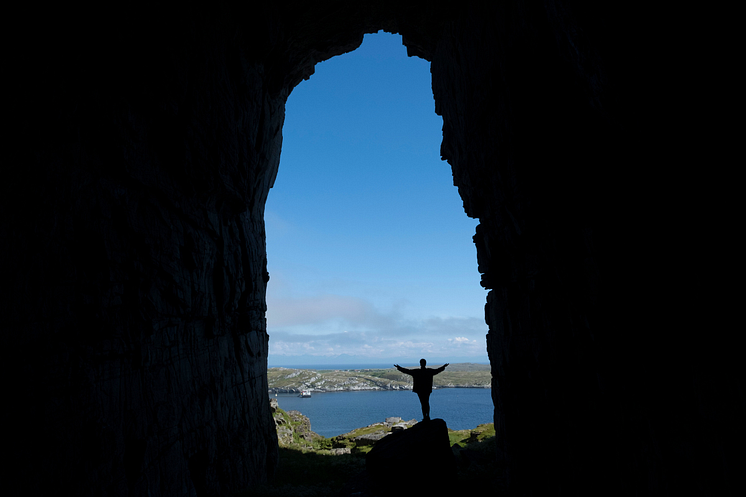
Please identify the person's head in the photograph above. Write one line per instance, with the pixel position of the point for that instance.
(422, 363)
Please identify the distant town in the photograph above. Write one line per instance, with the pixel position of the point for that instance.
(291, 380)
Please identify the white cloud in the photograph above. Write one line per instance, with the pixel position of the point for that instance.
(328, 325)
(371, 345)
(319, 309)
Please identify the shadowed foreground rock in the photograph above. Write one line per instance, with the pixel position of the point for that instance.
(415, 460)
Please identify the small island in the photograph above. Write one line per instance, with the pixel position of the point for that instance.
(290, 380)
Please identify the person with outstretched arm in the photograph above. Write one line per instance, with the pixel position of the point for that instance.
(423, 384)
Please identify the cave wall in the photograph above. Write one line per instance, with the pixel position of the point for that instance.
(534, 154)
(134, 258)
(556, 124)
(134, 251)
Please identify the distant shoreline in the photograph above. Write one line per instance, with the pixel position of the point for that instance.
(360, 366)
(293, 391)
(295, 380)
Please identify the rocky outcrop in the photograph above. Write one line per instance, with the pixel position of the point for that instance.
(361, 438)
(293, 428)
(141, 152)
(303, 426)
(414, 461)
(370, 438)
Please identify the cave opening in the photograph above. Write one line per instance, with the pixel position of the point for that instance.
(142, 153)
(369, 251)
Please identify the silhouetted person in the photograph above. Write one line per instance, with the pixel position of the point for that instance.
(423, 384)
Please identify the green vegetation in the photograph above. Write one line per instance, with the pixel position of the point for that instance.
(465, 437)
(294, 431)
(466, 367)
(309, 468)
(456, 375)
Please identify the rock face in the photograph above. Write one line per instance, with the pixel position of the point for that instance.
(414, 461)
(303, 427)
(133, 246)
(369, 435)
(293, 427)
(370, 438)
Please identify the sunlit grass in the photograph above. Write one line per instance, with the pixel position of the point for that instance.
(479, 434)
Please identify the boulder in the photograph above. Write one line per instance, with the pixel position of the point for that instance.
(418, 460)
(370, 438)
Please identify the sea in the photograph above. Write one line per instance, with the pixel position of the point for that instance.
(336, 413)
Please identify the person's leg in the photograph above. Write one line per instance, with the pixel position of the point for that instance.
(425, 403)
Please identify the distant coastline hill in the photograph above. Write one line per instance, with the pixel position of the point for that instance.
(291, 380)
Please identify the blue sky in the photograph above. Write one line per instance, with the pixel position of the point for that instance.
(369, 249)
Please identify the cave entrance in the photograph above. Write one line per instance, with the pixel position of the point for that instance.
(369, 249)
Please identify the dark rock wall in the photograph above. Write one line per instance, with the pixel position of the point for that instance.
(133, 248)
(555, 116)
(134, 254)
(528, 136)
(556, 124)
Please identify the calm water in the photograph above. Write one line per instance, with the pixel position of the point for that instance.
(335, 413)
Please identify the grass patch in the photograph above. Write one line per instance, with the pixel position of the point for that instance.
(465, 437)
